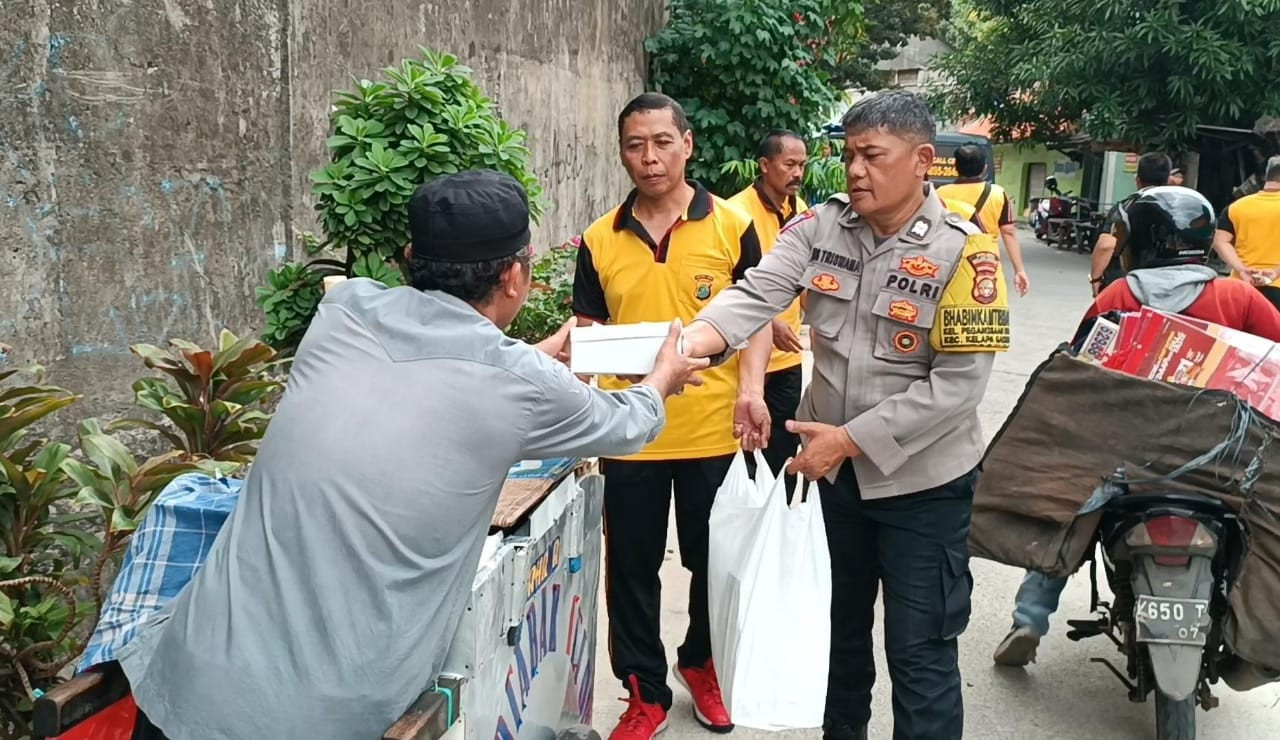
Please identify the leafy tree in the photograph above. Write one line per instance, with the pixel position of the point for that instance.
(1142, 73)
(743, 67)
(863, 35)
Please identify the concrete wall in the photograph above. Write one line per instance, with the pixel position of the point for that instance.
(154, 154)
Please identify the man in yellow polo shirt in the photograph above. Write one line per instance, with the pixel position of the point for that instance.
(771, 201)
(1248, 238)
(662, 255)
(994, 211)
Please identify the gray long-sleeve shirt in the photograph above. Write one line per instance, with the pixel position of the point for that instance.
(903, 333)
(330, 597)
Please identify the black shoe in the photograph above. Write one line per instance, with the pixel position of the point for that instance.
(834, 730)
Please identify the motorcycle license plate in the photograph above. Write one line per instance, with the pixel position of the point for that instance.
(1172, 621)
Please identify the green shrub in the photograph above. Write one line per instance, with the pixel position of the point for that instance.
(215, 401)
(66, 515)
(422, 119)
(551, 297)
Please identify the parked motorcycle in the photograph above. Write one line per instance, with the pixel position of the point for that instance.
(1170, 558)
(1063, 220)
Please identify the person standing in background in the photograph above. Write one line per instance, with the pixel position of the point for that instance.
(771, 201)
(1248, 236)
(1110, 261)
(992, 209)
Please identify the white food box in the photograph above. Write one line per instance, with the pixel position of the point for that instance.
(616, 349)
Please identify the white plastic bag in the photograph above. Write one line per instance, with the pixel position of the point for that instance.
(769, 596)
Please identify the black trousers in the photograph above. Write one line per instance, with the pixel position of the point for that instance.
(916, 547)
(637, 501)
(1272, 294)
(782, 389)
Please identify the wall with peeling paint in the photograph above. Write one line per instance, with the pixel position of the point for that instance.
(154, 154)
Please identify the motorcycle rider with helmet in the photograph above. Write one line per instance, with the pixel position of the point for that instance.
(1169, 240)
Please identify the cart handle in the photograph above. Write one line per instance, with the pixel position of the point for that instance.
(431, 716)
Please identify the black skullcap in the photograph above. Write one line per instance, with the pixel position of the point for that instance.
(471, 216)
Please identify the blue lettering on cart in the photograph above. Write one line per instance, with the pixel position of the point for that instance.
(555, 617)
(539, 638)
(516, 707)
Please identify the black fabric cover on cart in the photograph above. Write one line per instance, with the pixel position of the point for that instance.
(1076, 423)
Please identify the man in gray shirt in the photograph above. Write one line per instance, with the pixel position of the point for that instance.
(329, 599)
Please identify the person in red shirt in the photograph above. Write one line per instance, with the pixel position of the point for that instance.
(1169, 239)
(1170, 242)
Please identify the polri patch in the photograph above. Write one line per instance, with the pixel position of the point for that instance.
(826, 282)
(919, 267)
(702, 290)
(904, 311)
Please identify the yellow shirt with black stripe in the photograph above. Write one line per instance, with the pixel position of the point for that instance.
(1254, 221)
(625, 275)
(769, 220)
(996, 212)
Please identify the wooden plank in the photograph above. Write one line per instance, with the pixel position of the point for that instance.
(428, 718)
(67, 704)
(522, 495)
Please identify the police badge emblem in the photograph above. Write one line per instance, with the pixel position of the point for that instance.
(985, 266)
(703, 290)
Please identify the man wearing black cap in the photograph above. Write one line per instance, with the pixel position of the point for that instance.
(340, 578)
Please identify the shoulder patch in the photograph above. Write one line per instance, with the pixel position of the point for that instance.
(968, 228)
(798, 219)
(973, 313)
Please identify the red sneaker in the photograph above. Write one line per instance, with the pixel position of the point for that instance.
(642, 720)
(708, 704)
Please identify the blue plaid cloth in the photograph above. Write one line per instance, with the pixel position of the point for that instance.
(171, 543)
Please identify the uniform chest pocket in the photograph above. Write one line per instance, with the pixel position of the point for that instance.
(902, 328)
(697, 279)
(829, 299)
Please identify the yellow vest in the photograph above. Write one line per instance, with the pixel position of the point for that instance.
(670, 276)
(769, 220)
(968, 193)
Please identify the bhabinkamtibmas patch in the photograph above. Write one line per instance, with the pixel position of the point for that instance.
(973, 314)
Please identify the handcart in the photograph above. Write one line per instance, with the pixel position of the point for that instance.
(522, 663)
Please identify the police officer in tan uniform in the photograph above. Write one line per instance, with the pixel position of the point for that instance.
(907, 306)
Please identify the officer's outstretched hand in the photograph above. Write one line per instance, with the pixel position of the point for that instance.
(823, 448)
(673, 370)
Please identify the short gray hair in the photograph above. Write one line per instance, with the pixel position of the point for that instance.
(901, 113)
(1273, 169)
